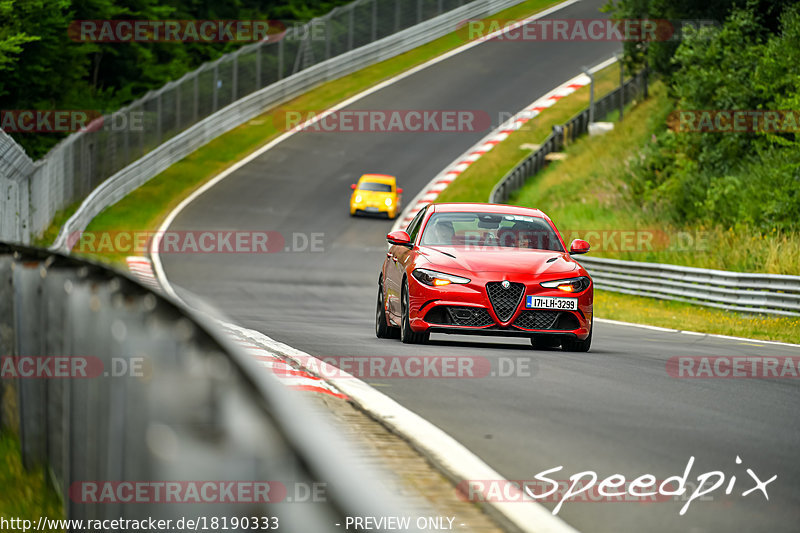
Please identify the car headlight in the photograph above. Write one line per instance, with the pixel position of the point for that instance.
(436, 279)
(358, 198)
(388, 201)
(578, 284)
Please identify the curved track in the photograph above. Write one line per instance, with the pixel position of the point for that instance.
(614, 410)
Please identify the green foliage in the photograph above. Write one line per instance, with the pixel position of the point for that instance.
(42, 68)
(745, 179)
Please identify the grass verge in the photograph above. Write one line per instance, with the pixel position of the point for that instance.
(684, 316)
(586, 195)
(477, 181)
(25, 494)
(147, 206)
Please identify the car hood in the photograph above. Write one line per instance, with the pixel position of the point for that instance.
(534, 262)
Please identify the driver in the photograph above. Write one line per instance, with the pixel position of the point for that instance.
(444, 232)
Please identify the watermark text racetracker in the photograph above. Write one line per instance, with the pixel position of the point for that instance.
(734, 121)
(413, 367)
(176, 31)
(734, 367)
(384, 120)
(196, 241)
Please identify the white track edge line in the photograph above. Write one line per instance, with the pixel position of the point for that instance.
(695, 333)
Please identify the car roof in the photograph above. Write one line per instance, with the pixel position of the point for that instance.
(379, 178)
(457, 207)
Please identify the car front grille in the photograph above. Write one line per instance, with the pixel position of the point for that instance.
(459, 316)
(505, 301)
(537, 319)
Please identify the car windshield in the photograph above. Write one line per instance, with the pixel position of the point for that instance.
(490, 230)
(374, 186)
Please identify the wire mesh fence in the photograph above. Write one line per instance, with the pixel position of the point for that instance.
(84, 160)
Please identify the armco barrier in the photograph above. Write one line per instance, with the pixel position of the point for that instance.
(101, 166)
(736, 291)
(166, 397)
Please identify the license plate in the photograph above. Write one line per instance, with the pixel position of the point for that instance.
(372, 209)
(550, 302)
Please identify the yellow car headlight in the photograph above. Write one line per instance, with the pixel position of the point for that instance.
(388, 201)
(358, 198)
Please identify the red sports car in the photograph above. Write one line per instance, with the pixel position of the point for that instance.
(488, 270)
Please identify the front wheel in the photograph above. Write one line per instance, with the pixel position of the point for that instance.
(408, 335)
(382, 328)
(572, 344)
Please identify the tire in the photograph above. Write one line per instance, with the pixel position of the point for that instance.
(382, 328)
(541, 342)
(408, 335)
(572, 344)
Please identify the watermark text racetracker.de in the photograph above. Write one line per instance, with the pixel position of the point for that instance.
(412, 367)
(587, 486)
(69, 120)
(196, 241)
(72, 367)
(581, 30)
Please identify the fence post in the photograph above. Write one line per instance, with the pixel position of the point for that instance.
(374, 21)
(235, 88)
(258, 66)
(350, 28)
(280, 58)
(214, 95)
(396, 15)
(158, 118)
(621, 61)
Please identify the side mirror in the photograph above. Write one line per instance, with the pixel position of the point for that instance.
(399, 190)
(399, 237)
(578, 246)
(353, 186)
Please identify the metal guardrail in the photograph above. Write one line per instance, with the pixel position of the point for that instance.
(568, 132)
(100, 167)
(736, 291)
(198, 409)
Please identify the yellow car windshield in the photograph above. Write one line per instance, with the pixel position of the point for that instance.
(374, 186)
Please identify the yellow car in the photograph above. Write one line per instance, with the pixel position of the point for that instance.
(375, 194)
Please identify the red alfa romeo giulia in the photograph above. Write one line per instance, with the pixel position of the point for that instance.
(484, 269)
